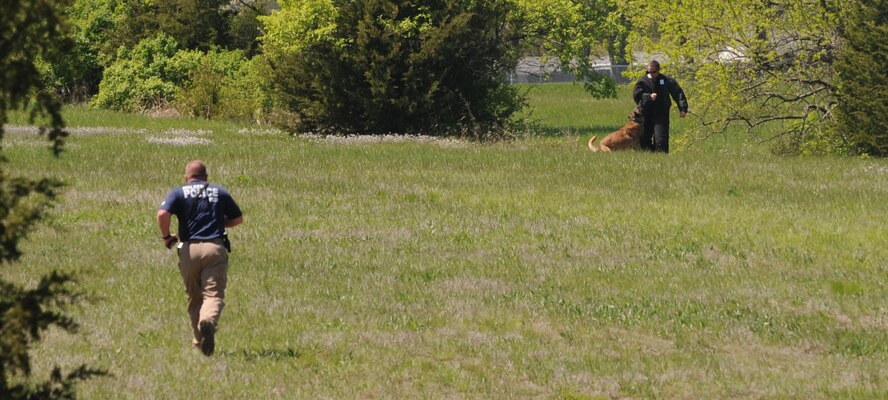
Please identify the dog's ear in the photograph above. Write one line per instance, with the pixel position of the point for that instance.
(636, 113)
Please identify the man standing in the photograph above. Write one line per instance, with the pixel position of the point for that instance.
(653, 90)
(203, 211)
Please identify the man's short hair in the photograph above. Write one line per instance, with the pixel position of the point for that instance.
(196, 169)
(655, 64)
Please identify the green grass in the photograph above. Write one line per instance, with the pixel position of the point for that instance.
(532, 268)
(566, 109)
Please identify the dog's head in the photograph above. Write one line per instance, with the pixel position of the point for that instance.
(636, 115)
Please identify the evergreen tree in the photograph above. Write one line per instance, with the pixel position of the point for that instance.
(196, 24)
(862, 109)
(383, 66)
(30, 29)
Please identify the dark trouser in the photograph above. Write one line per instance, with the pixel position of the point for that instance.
(655, 135)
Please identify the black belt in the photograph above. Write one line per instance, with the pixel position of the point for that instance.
(217, 240)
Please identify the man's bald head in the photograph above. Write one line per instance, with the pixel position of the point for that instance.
(195, 170)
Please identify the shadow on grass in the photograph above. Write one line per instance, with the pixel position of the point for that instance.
(263, 354)
(575, 131)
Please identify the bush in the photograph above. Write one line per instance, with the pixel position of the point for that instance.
(147, 76)
(245, 94)
(200, 97)
(381, 66)
(156, 74)
(75, 75)
(226, 85)
(77, 70)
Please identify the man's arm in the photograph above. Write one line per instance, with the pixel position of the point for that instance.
(163, 221)
(679, 96)
(232, 213)
(230, 223)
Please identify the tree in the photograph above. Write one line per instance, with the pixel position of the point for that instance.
(196, 24)
(862, 115)
(245, 28)
(76, 72)
(755, 63)
(30, 29)
(572, 31)
(382, 66)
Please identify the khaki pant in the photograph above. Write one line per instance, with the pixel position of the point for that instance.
(204, 268)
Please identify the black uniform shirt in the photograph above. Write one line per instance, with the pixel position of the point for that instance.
(665, 87)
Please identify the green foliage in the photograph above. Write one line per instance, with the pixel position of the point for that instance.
(76, 72)
(862, 112)
(201, 96)
(22, 203)
(299, 25)
(94, 22)
(196, 24)
(245, 28)
(147, 76)
(380, 66)
(227, 85)
(246, 94)
(617, 30)
(748, 62)
(30, 30)
(24, 314)
(101, 27)
(572, 31)
(156, 74)
(76, 76)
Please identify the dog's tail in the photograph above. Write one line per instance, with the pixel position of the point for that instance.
(591, 146)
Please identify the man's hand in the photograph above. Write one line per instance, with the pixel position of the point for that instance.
(682, 113)
(170, 241)
(653, 96)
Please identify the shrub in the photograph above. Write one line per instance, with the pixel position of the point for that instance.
(77, 70)
(201, 95)
(147, 76)
(226, 84)
(245, 94)
(381, 66)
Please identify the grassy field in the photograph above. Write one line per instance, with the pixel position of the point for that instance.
(525, 269)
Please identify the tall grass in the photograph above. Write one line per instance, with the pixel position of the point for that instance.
(525, 269)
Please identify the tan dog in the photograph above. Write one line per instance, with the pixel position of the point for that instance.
(626, 138)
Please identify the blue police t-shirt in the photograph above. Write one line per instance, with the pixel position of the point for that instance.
(207, 221)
